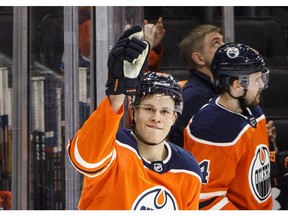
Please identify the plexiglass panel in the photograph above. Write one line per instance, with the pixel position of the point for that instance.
(6, 36)
(47, 119)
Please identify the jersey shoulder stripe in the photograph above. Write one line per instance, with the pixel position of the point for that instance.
(229, 124)
(184, 160)
(178, 158)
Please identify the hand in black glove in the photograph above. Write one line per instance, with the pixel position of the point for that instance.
(126, 62)
(279, 167)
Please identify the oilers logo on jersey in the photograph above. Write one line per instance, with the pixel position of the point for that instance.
(260, 182)
(156, 198)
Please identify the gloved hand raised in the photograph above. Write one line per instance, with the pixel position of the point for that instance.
(126, 62)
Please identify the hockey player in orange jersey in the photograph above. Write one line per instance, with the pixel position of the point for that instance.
(228, 136)
(135, 169)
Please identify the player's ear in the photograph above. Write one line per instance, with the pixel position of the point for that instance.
(236, 84)
(236, 88)
(198, 58)
(174, 118)
(134, 114)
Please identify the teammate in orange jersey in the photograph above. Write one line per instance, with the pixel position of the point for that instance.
(135, 169)
(228, 137)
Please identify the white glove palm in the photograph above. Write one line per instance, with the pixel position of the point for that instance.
(132, 69)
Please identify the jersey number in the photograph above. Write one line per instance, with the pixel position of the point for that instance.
(204, 166)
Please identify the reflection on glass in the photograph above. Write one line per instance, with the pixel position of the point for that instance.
(6, 36)
(84, 62)
(47, 167)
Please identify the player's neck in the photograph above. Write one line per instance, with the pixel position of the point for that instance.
(229, 103)
(206, 70)
(153, 153)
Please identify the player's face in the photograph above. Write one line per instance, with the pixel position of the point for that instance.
(154, 117)
(254, 89)
(212, 41)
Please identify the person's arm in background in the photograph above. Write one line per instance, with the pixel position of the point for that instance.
(154, 34)
(271, 130)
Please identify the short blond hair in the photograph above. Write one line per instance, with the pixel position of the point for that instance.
(194, 42)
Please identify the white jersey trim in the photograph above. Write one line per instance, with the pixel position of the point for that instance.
(212, 194)
(187, 172)
(84, 163)
(220, 204)
(113, 154)
(205, 142)
(169, 149)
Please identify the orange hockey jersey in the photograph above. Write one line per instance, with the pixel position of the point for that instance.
(233, 154)
(117, 178)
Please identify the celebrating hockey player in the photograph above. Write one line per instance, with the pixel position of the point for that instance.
(228, 136)
(135, 169)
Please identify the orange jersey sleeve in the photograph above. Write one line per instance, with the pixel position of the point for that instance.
(154, 59)
(233, 157)
(116, 177)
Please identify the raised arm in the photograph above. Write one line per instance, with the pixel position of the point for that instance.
(92, 149)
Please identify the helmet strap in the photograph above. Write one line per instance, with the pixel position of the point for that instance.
(245, 109)
(144, 141)
(240, 99)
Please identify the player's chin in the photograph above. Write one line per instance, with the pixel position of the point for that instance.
(258, 98)
(155, 139)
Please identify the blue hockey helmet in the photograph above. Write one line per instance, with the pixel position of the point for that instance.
(237, 60)
(159, 83)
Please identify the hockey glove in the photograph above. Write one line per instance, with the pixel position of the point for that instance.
(126, 62)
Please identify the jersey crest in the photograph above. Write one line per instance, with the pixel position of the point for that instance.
(158, 166)
(260, 182)
(156, 198)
